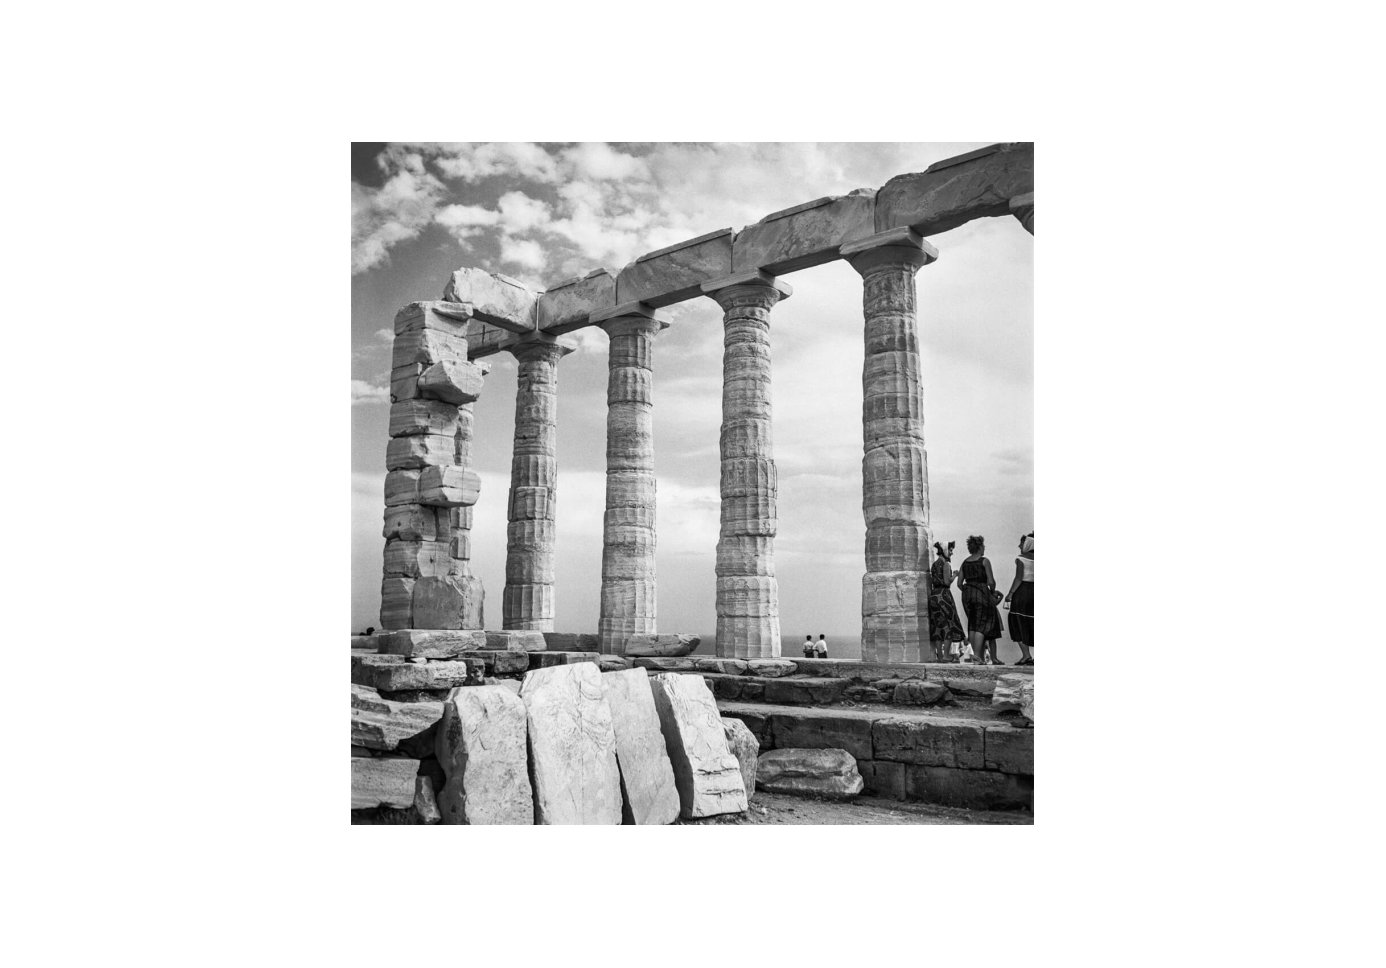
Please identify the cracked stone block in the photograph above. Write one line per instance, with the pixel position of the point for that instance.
(482, 748)
(572, 746)
(707, 774)
(647, 778)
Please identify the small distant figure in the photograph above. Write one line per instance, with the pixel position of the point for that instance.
(808, 646)
(821, 648)
(1021, 601)
(370, 630)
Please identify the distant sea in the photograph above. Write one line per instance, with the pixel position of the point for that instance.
(846, 646)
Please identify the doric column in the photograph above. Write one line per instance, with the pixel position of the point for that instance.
(895, 476)
(748, 596)
(628, 602)
(527, 602)
(1023, 208)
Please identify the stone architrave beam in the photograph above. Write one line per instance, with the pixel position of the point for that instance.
(805, 235)
(527, 602)
(1023, 208)
(628, 595)
(569, 305)
(979, 184)
(678, 272)
(895, 478)
(493, 298)
(748, 608)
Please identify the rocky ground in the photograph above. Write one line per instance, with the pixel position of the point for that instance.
(774, 808)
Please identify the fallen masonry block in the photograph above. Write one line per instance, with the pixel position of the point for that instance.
(745, 748)
(500, 663)
(661, 645)
(425, 801)
(494, 298)
(382, 781)
(920, 692)
(410, 676)
(613, 663)
(708, 776)
(430, 643)
(772, 668)
(659, 664)
(831, 774)
(379, 724)
(1015, 692)
(572, 746)
(452, 382)
(482, 748)
(542, 660)
(881, 778)
(571, 641)
(649, 794)
(449, 602)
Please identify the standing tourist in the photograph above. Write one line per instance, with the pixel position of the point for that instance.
(808, 646)
(945, 627)
(980, 598)
(822, 647)
(1021, 600)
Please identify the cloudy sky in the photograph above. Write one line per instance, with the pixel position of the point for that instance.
(546, 212)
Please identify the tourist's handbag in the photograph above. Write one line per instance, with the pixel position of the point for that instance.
(996, 596)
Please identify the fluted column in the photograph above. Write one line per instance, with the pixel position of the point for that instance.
(527, 602)
(1023, 208)
(895, 475)
(748, 596)
(628, 600)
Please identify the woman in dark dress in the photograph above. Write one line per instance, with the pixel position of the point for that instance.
(1021, 600)
(945, 627)
(979, 600)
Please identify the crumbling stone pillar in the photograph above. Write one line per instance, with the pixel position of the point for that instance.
(895, 476)
(748, 597)
(628, 600)
(527, 602)
(429, 485)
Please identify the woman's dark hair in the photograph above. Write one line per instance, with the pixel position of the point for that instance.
(975, 543)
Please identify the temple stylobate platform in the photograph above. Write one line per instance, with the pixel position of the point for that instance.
(881, 233)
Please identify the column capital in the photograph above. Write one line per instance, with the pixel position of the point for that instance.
(897, 246)
(541, 347)
(756, 285)
(1023, 208)
(631, 317)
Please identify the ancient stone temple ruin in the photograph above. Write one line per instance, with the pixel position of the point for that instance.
(430, 489)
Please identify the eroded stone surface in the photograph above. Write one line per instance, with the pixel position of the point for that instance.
(828, 773)
(379, 724)
(647, 778)
(449, 602)
(770, 668)
(805, 235)
(430, 643)
(670, 275)
(745, 748)
(920, 692)
(482, 748)
(954, 743)
(447, 317)
(957, 190)
(1015, 692)
(661, 645)
(382, 781)
(494, 298)
(515, 640)
(708, 776)
(449, 486)
(568, 305)
(572, 746)
(730, 667)
(451, 382)
(1010, 750)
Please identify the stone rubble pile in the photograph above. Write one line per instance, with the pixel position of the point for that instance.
(444, 730)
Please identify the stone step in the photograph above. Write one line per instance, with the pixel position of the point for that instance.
(968, 758)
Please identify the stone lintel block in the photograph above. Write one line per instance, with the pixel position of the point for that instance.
(494, 298)
(957, 743)
(446, 317)
(449, 486)
(805, 235)
(416, 559)
(649, 794)
(418, 452)
(570, 304)
(455, 382)
(676, 273)
(747, 277)
(396, 602)
(382, 781)
(448, 601)
(1010, 750)
(631, 310)
(414, 522)
(978, 184)
(484, 339)
(427, 346)
(430, 643)
(410, 418)
(572, 744)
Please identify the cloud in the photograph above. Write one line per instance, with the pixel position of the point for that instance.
(363, 391)
(466, 221)
(522, 252)
(471, 163)
(398, 210)
(601, 161)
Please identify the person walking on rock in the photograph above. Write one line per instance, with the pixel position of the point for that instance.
(808, 646)
(945, 627)
(1021, 600)
(980, 598)
(822, 647)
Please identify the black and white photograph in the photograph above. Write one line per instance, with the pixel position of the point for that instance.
(692, 483)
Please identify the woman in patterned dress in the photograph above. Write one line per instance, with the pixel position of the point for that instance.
(1021, 600)
(945, 627)
(978, 588)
